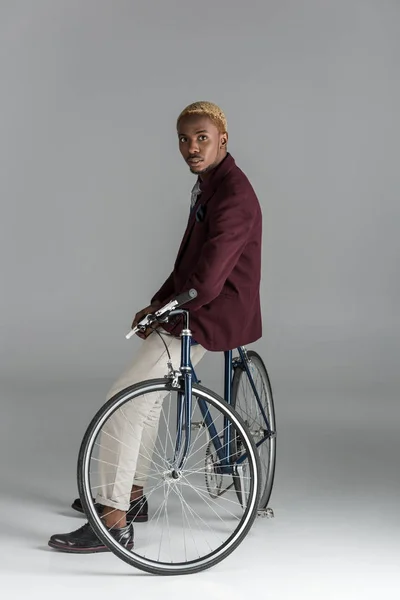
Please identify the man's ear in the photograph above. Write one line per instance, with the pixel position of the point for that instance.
(224, 140)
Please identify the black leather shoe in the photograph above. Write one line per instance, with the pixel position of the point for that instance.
(138, 511)
(84, 540)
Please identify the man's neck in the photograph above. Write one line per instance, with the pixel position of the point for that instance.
(208, 174)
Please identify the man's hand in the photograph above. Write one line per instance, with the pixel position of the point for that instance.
(142, 313)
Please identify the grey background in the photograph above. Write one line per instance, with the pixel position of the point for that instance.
(94, 200)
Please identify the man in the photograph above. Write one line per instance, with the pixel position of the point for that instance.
(220, 257)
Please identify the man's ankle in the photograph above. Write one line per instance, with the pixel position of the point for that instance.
(136, 493)
(112, 517)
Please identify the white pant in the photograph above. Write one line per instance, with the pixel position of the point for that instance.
(127, 439)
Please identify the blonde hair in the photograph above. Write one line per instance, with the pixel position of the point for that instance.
(206, 109)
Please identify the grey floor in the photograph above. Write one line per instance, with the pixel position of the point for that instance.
(335, 533)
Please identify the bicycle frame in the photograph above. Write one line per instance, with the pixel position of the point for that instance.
(184, 404)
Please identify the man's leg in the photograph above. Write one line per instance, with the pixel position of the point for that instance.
(122, 453)
(128, 438)
(150, 430)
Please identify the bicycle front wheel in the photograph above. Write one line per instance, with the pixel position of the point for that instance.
(195, 517)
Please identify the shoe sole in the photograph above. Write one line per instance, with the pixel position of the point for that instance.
(129, 519)
(84, 550)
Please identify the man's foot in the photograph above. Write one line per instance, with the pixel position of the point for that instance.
(138, 511)
(84, 540)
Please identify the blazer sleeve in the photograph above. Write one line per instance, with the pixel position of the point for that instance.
(229, 226)
(165, 291)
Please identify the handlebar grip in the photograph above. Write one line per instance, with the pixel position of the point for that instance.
(185, 297)
(173, 304)
(143, 322)
(131, 333)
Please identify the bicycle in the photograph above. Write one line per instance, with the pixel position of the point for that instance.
(207, 477)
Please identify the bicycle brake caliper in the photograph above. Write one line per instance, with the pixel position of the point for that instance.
(173, 375)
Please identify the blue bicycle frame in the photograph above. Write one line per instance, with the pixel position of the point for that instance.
(184, 404)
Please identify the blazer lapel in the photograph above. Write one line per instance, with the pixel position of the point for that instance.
(210, 188)
(202, 199)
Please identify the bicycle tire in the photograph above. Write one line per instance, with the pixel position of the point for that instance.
(83, 475)
(268, 481)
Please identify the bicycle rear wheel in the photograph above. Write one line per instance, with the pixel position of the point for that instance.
(263, 430)
(193, 524)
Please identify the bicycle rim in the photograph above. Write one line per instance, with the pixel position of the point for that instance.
(245, 404)
(189, 529)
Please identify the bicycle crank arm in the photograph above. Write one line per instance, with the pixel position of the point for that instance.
(265, 513)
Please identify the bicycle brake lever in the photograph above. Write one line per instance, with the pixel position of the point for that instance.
(175, 303)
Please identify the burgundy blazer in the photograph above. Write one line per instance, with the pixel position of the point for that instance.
(220, 256)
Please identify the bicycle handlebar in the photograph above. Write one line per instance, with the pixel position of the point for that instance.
(171, 305)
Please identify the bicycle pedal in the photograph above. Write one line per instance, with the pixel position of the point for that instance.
(197, 425)
(265, 513)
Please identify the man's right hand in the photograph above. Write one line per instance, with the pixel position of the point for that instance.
(142, 313)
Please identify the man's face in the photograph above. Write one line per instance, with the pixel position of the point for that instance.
(201, 143)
